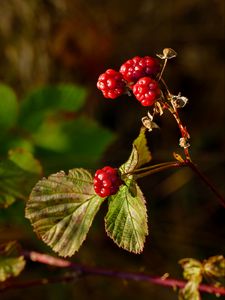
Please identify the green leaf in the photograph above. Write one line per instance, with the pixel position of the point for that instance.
(214, 266)
(82, 135)
(11, 264)
(214, 270)
(62, 208)
(190, 292)
(81, 142)
(126, 220)
(47, 101)
(193, 273)
(8, 107)
(25, 160)
(140, 154)
(18, 175)
(192, 269)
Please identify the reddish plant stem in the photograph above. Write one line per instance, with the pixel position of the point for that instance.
(8, 285)
(183, 131)
(188, 161)
(195, 169)
(139, 173)
(87, 271)
(160, 169)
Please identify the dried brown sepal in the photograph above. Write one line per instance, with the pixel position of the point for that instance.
(168, 53)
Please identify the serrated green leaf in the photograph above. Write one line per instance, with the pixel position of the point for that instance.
(46, 101)
(126, 220)
(61, 209)
(8, 107)
(18, 175)
(189, 292)
(144, 155)
(11, 264)
(140, 154)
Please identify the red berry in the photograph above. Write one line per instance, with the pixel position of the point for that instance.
(111, 83)
(106, 181)
(146, 90)
(137, 67)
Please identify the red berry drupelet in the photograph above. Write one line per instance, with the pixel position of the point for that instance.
(107, 181)
(146, 90)
(111, 83)
(137, 67)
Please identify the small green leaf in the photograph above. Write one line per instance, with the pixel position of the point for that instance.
(214, 270)
(11, 264)
(193, 273)
(81, 142)
(189, 292)
(192, 268)
(62, 208)
(25, 160)
(46, 101)
(8, 107)
(140, 154)
(214, 266)
(126, 220)
(18, 175)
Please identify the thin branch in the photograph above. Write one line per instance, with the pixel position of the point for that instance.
(81, 270)
(163, 68)
(160, 169)
(8, 285)
(148, 168)
(185, 135)
(196, 170)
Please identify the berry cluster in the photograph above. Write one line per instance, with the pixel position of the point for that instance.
(146, 90)
(106, 181)
(137, 67)
(111, 83)
(138, 75)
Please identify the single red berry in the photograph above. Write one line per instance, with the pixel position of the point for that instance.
(146, 90)
(111, 83)
(137, 67)
(107, 181)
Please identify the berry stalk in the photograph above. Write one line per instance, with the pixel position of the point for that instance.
(159, 168)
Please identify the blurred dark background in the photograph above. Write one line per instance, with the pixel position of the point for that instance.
(73, 41)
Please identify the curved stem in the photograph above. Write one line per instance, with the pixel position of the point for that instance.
(151, 167)
(185, 135)
(163, 68)
(161, 168)
(195, 169)
(146, 171)
(165, 86)
(87, 271)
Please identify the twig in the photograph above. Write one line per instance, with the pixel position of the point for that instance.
(8, 285)
(195, 169)
(160, 169)
(82, 270)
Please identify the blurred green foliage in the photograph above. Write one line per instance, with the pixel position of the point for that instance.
(18, 174)
(11, 263)
(50, 125)
(8, 108)
(75, 41)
